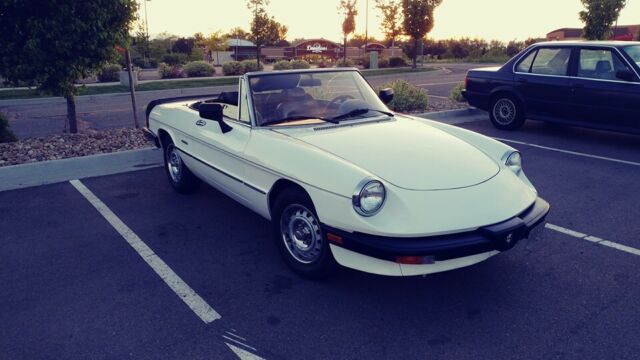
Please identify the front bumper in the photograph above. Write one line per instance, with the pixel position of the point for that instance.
(430, 250)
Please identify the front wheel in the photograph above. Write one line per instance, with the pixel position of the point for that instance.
(506, 112)
(299, 237)
(180, 177)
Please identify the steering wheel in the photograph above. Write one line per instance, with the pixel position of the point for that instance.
(339, 100)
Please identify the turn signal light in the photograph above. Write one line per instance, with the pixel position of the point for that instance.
(335, 239)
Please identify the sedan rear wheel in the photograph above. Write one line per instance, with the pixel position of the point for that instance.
(506, 113)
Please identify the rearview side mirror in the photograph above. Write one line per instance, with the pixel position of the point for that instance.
(214, 112)
(625, 75)
(386, 95)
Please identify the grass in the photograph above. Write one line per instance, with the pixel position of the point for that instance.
(168, 85)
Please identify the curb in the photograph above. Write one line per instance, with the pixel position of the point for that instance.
(55, 171)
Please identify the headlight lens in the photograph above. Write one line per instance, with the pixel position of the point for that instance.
(369, 197)
(514, 162)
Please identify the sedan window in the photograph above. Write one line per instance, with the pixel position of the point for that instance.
(525, 65)
(634, 52)
(599, 64)
(551, 61)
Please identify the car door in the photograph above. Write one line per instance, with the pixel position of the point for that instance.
(541, 78)
(599, 97)
(220, 154)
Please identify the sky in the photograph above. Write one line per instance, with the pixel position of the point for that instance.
(489, 19)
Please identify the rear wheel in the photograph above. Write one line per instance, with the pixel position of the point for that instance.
(299, 237)
(506, 112)
(180, 177)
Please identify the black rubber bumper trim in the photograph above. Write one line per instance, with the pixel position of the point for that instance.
(502, 236)
(151, 136)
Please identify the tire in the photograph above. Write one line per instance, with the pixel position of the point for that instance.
(180, 177)
(299, 237)
(506, 112)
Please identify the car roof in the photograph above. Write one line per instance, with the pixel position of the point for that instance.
(588, 42)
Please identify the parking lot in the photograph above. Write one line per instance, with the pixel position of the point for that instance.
(123, 267)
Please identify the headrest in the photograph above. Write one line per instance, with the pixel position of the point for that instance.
(603, 66)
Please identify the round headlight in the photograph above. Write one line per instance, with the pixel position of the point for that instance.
(514, 162)
(369, 197)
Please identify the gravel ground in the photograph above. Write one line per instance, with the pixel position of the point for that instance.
(445, 104)
(71, 145)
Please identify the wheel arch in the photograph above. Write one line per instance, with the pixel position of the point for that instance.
(278, 187)
(507, 90)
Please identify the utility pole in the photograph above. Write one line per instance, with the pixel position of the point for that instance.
(146, 26)
(366, 28)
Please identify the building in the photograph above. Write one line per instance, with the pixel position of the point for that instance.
(621, 32)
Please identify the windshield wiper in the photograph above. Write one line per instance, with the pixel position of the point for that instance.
(357, 112)
(298, 117)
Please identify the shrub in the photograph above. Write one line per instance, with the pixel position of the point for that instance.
(323, 65)
(300, 64)
(232, 68)
(407, 97)
(343, 63)
(174, 59)
(199, 68)
(282, 65)
(109, 73)
(167, 71)
(456, 93)
(382, 63)
(397, 61)
(250, 65)
(6, 135)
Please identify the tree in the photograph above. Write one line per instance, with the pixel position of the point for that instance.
(391, 24)
(54, 43)
(238, 33)
(183, 45)
(264, 29)
(358, 40)
(418, 21)
(217, 42)
(348, 9)
(599, 16)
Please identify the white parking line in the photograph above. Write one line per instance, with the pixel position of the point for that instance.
(627, 162)
(243, 354)
(594, 239)
(184, 291)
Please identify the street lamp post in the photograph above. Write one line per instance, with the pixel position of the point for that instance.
(366, 28)
(146, 37)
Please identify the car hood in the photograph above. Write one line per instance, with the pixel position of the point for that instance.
(406, 153)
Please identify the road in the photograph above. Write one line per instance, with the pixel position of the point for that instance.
(73, 286)
(45, 116)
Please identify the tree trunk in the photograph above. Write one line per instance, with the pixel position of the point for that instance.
(415, 53)
(71, 114)
(217, 58)
(345, 51)
(132, 88)
(258, 55)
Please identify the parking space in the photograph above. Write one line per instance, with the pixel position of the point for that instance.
(75, 286)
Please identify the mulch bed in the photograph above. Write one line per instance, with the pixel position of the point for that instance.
(71, 145)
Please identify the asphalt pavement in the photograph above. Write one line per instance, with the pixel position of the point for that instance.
(46, 116)
(75, 284)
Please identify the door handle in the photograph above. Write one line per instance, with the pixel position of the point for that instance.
(201, 122)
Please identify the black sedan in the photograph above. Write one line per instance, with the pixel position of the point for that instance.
(588, 83)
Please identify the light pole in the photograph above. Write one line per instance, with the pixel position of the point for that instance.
(146, 37)
(366, 28)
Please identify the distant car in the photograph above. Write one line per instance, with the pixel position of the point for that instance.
(590, 83)
(343, 179)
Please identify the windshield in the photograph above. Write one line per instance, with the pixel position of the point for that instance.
(312, 97)
(634, 53)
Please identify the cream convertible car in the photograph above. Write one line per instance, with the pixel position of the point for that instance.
(346, 181)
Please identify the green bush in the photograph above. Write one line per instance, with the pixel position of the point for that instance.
(407, 97)
(174, 59)
(110, 73)
(167, 71)
(343, 63)
(456, 93)
(300, 64)
(250, 66)
(282, 65)
(199, 68)
(232, 68)
(323, 64)
(6, 135)
(397, 61)
(382, 63)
